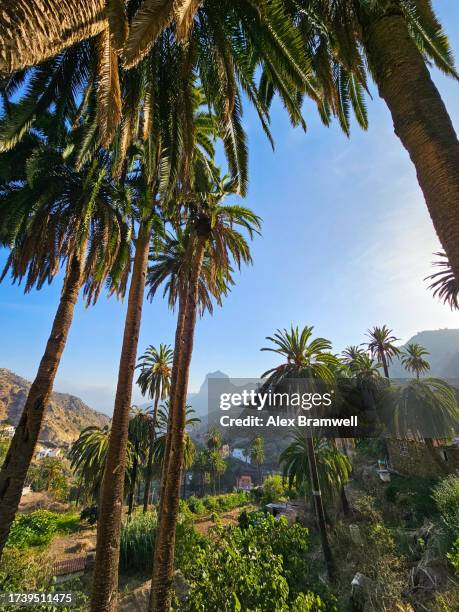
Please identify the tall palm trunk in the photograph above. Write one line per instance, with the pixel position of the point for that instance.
(22, 447)
(135, 465)
(35, 31)
(105, 586)
(319, 509)
(149, 474)
(421, 121)
(163, 565)
(384, 364)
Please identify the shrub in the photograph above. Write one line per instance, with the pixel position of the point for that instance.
(215, 503)
(90, 515)
(247, 569)
(453, 556)
(273, 489)
(196, 505)
(446, 496)
(414, 492)
(38, 528)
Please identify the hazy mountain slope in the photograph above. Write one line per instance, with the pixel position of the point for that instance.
(66, 417)
(443, 346)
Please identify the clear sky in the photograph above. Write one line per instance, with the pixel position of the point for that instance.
(347, 241)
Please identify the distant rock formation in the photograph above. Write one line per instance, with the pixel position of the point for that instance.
(66, 416)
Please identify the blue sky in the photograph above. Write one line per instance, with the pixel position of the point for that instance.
(346, 243)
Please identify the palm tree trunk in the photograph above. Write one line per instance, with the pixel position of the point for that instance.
(34, 32)
(149, 475)
(345, 501)
(384, 364)
(421, 121)
(105, 585)
(163, 565)
(319, 509)
(22, 447)
(135, 464)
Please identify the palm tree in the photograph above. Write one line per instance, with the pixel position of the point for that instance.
(211, 229)
(160, 442)
(333, 467)
(154, 182)
(422, 408)
(381, 346)
(406, 35)
(351, 354)
(139, 435)
(312, 360)
(445, 284)
(52, 215)
(88, 455)
(154, 380)
(257, 455)
(413, 359)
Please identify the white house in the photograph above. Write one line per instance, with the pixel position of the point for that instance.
(239, 453)
(48, 452)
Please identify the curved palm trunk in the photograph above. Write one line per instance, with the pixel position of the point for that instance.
(149, 475)
(421, 121)
(22, 447)
(163, 566)
(105, 585)
(35, 31)
(135, 465)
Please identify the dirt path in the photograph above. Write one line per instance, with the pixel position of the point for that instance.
(228, 518)
(72, 545)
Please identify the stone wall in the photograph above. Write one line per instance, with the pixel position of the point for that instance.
(413, 458)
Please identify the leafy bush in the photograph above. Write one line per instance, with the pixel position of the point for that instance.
(90, 515)
(23, 570)
(30, 571)
(215, 503)
(196, 505)
(446, 496)
(138, 542)
(273, 489)
(453, 556)
(414, 492)
(260, 568)
(38, 528)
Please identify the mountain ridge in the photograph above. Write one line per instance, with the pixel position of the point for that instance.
(66, 416)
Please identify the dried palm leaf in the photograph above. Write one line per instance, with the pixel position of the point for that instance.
(35, 31)
(108, 91)
(118, 23)
(184, 13)
(150, 20)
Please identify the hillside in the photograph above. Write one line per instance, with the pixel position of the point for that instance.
(66, 417)
(443, 346)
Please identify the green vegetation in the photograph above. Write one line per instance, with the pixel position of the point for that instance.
(413, 493)
(39, 527)
(262, 567)
(446, 496)
(204, 505)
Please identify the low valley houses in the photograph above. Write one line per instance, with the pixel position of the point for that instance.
(49, 452)
(244, 483)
